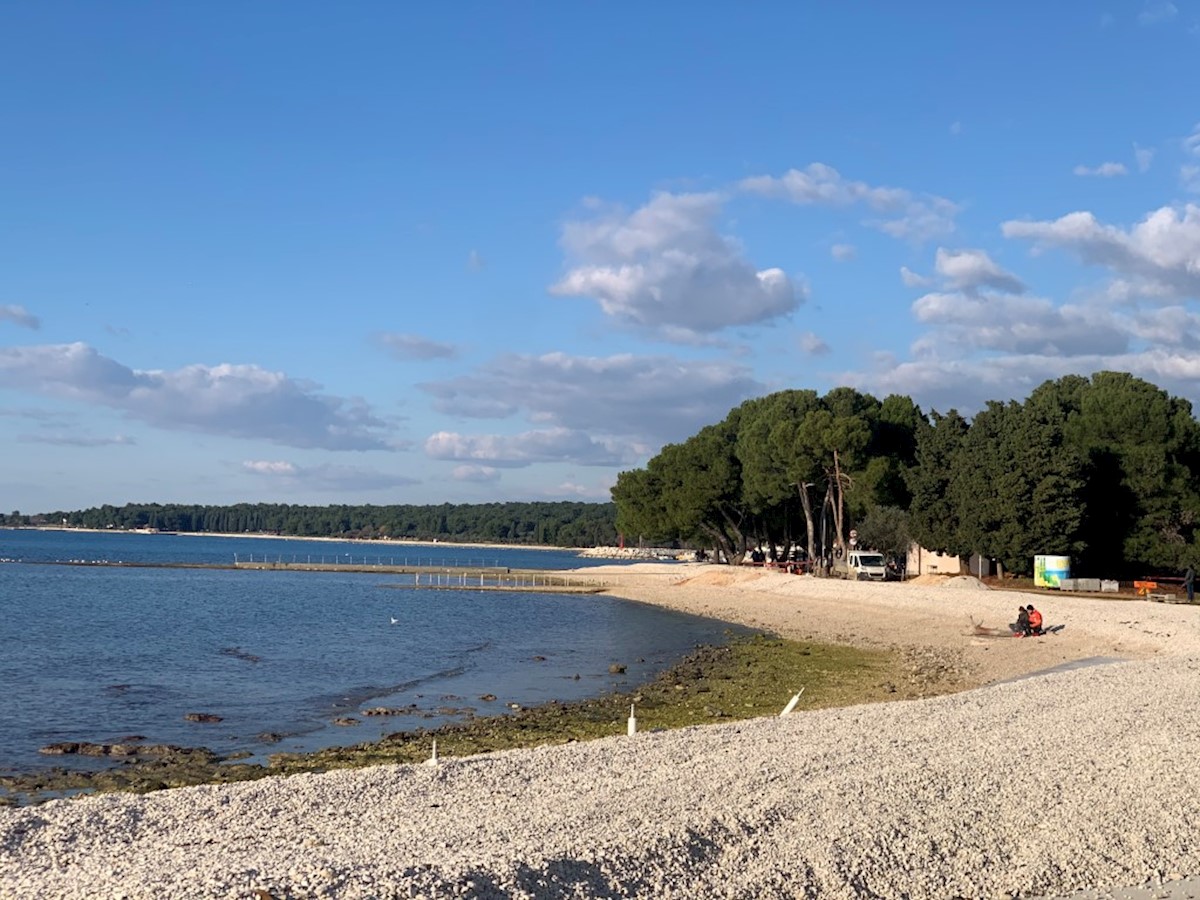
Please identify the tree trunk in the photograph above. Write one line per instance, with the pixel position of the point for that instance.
(809, 524)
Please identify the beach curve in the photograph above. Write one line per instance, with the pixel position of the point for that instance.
(1076, 780)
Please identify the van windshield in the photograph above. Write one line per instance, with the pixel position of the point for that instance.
(870, 559)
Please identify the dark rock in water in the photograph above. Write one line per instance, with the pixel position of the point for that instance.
(269, 737)
(61, 749)
(539, 659)
(345, 720)
(239, 653)
(449, 698)
(391, 710)
(131, 739)
(202, 717)
(487, 698)
(616, 669)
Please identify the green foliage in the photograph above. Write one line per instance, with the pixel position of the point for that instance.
(885, 528)
(1105, 470)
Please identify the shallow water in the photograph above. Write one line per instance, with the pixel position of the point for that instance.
(102, 653)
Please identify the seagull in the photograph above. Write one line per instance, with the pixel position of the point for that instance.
(395, 621)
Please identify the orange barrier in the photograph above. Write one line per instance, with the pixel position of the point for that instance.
(1144, 588)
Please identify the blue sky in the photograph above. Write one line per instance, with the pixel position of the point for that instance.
(381, 253)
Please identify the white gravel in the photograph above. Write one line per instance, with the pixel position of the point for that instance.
(1072, 781)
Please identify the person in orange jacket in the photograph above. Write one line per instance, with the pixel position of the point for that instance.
(1035, 620)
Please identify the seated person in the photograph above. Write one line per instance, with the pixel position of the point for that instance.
(1022, 626)
(1035, 620)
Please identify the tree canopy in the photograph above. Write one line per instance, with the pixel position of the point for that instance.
(1105, 470)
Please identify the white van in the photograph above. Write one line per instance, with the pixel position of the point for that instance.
(863, 565)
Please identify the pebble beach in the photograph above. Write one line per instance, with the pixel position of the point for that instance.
(1060, 766)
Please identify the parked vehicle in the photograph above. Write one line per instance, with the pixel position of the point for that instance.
(863, 565)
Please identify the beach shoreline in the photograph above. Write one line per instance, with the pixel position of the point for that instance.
(831, 802)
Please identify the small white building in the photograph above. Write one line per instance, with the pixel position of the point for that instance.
(927, 562)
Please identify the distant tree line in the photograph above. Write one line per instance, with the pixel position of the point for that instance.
(1105, 470)
(564, 524)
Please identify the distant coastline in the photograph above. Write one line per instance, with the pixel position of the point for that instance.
(389, 542)
(598, 552)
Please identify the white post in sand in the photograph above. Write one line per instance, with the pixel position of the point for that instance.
(433, 760)
(792, 703)
(632, 721)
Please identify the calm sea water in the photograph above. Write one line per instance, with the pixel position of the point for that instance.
(100, 653)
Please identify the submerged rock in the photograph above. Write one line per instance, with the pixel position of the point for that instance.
(202, 717)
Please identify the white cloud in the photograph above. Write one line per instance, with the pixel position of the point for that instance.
(813, 345)
(413, 347)
(527, 448)
(581, 491)
(843, 252)
(1015, 324)
(239, 401)
(647, 400)
(969, 270)
(665, 267)
(904, 214)
(1164, 248)
(325, 477)
(913, 279)
(18, 315)
(1189, 177)
(1104, 170)
(475, 474)
(270, 467)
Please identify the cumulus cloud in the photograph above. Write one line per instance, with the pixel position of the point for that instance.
(843, 252)
(270, 467)
(1022, 325)
(581, 491)
(1104, 170)
(665, 267)
(412, 347)
(898, 212)
(239, 401)
(967, 383)
(650, 400)
(325, 477)
(813, 345)
(18, 315)
(527, 448)
(913, 279)
(970, 270)
(1163, 249)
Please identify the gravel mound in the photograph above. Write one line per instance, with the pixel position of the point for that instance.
(1058, 783)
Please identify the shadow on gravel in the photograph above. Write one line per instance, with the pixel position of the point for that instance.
(1067, 667)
